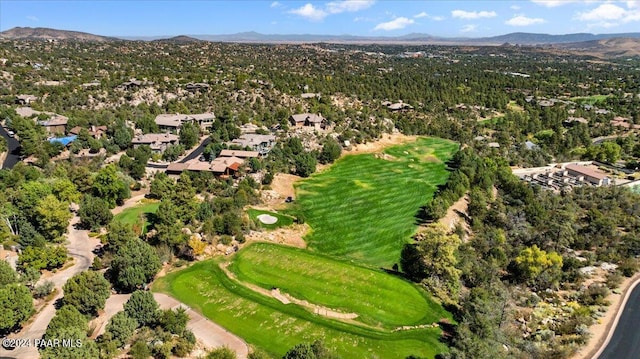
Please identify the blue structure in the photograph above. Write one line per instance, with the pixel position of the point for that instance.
(65, 141)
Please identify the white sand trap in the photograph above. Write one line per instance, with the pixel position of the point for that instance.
(267, 219)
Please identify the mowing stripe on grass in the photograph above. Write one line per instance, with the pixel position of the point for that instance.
(363, 207)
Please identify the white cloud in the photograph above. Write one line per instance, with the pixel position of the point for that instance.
(603, 12)
(469, 28)
(609, 15)
(310, 12)
(632, 4)
(276, 4)
(515, 7)
(461, 14)
(395, 24)
(432, 17)
(552, 3)
(32, 18)
(337, 7)
(522, 20)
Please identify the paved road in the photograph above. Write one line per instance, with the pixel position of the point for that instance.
(13, 156)
(80, 247)
(197, 152)
(207, 332)
(625, 342)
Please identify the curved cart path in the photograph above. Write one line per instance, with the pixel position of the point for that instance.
(210, 334)
(80, 247)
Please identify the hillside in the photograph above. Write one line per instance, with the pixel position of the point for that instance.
(41, 33)
(617, 47)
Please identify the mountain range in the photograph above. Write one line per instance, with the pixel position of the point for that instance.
(516, 38)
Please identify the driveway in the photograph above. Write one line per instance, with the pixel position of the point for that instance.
(80, 247)
(13, 155)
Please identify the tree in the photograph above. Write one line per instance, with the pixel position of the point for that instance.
(121, 327)
(134, 264)
(221, 353)
(438, 251)
(189, 134)
(7, 274)
(411, 262)
(118, 234)
(47, 257)
(142, 307)
(331, 151)
(536, 265)
(161, 186)
(140, 349)
(52, 217)
(65, 190)
(82, 346)
(108, 186)
(88, 291)
(94, 212)
(174, 321)
(66, 317)
(316, 350)
(16, 306)
(305, 164)
(122, 136)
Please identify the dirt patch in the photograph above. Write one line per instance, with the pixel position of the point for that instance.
(456, 214)
(281, 188)
(381, 144)
(291, 235)
(384, 156)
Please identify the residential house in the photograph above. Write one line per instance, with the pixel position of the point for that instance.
(157, 141)
(308, 120)
(173, 122)
(588, 174)
(221, 166)
(25, 99)
(196, 87)
(94, 131)
(260, 143)
(239, 154)
(133, 84)
(399, 106)
(55, 124)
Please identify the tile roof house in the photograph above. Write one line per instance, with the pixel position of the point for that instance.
(94, 131)
(220, 166)
(157, 141)
(259, 143)
(173, 122)
(308, 120)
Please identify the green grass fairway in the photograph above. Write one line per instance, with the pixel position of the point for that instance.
(590, 100)
(373, 295)
(275, 327)
(283, 220)
(132, 215)
(364, 207)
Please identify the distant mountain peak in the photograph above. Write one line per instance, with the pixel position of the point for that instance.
(43, 33)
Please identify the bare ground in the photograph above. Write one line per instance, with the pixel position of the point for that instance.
(291, 235)
(453, 216)
(379, 145)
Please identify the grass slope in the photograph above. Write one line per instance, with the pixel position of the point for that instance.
(283, 220)
(275, 327)
(363, 207)
(375, 296)
(132, 215)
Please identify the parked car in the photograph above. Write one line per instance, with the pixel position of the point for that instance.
(11, 134)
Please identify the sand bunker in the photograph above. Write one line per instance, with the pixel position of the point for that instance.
(267, 219)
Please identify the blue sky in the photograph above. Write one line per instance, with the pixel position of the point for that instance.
(355, 17)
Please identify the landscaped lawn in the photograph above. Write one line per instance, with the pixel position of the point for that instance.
(133, 215)
(378, 298)
(275, 327)
(363, 207)
(283, 220)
